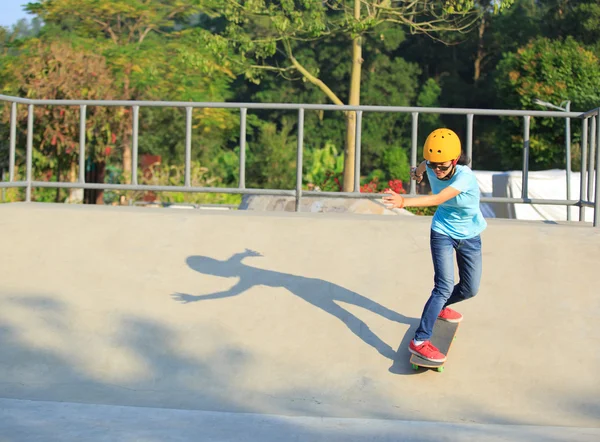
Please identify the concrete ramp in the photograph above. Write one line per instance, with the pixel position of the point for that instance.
(293, 315)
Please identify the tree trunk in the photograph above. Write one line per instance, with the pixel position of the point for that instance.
(58, 176)
(480, 52)
(95, 174)
(127, 154)
(354, 100)
(72, 179)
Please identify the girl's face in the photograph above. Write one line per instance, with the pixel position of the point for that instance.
(441, 170)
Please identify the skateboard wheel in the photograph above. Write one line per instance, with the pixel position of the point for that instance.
(415, 367)
(440, 369)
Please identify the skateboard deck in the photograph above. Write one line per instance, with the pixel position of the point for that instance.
(443, 335)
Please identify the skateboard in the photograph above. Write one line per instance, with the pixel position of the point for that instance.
(443, 335)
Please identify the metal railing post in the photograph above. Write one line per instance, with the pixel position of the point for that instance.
(413, 149)
(525, 178)
(188, 146)
(13, 142)
(597, 177)
(591, 160)
(29, 160)
(242, 180)
(299, 157)
(582, 187)
(82, 125)
(357, 147)
(470, 139)
(134, 148)
(568, 154)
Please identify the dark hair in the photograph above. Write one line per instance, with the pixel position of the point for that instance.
(464, 160)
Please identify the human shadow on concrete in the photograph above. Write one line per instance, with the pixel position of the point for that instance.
(320, 293)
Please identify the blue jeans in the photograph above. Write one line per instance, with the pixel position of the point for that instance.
(445, 293)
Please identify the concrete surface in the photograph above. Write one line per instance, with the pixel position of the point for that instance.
(176, 310)
(66, 422)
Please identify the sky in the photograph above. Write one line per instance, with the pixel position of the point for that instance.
(11, 11)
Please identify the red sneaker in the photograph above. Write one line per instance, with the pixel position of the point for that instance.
(449, 315)
(427, 351)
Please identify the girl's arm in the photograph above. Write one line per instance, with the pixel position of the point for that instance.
(395, 200)
(418, 172)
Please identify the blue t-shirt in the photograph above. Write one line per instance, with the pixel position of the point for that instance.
(459, 217)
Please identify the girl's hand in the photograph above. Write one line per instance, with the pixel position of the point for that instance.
(392, 199)
(414, 176)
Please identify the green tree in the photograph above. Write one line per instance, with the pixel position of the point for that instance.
(61, 71)
(262, 29)
(579, 19)
(153, 51)
(554, 71)
(387, 79)
(273, 164)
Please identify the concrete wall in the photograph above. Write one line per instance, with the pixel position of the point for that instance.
(293, 314)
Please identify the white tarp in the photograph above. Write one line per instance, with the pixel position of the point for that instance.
(545, 184)
(484, 179)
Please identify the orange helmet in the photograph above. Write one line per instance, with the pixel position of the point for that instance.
(442, 145)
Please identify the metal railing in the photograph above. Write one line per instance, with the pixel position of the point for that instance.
(589, 166)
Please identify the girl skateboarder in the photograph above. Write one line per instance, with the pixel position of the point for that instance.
(455, 227)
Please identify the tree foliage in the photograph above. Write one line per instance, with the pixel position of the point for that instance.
(153, 51)
(553, 71)
(61, 71)
(477, 54)
(262, 31)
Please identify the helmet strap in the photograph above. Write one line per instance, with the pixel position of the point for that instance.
(451, 173)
